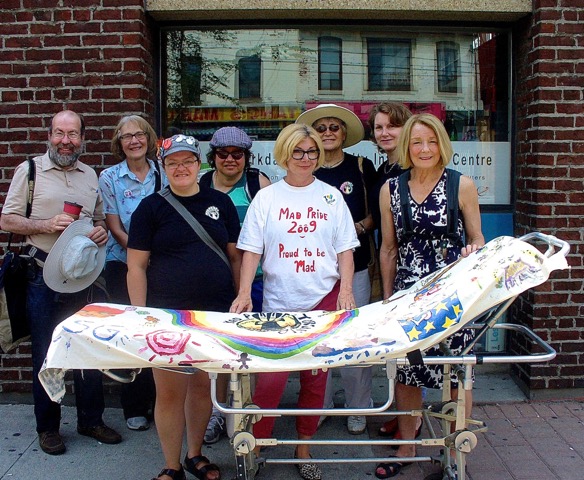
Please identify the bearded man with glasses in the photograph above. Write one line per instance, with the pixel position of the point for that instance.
(60, 177)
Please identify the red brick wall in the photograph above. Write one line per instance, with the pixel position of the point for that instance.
(549, 100)
(91, 56)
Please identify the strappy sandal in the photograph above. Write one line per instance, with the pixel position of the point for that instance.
(173, 474)
(390, 469)
(190, 465)
(308, 471)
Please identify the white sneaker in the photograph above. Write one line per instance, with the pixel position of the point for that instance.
(356, 424)
(138, 423)
(215, 429)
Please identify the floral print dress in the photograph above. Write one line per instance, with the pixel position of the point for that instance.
(428, 249)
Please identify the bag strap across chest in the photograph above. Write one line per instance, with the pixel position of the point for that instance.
(30, 194)
(452, 209)
(195, 225)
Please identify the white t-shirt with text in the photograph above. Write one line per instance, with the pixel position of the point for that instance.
(299, 231)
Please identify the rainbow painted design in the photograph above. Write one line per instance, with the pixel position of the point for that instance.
(298, 332)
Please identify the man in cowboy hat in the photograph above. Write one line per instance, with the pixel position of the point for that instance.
(60, 177)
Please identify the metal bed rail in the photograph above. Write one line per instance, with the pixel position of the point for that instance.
(459, 434)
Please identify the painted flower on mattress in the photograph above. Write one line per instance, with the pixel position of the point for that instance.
(167, 342)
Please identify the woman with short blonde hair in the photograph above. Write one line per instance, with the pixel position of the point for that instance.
(308, 218)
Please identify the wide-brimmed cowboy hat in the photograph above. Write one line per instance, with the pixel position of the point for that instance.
(355, 130)
(75, 261)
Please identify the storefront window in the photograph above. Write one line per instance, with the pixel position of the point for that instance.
(330, 51)
(262, 79)
(448, 66)
(389, 64)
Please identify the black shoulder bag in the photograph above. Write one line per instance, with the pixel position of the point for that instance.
(13, 283)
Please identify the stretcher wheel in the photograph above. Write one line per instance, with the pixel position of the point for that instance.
(465, 441)
(243, 443)
(449, 408)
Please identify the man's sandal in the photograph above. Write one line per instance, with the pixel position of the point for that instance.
(201, 473)
(173, 474)
(390, 469)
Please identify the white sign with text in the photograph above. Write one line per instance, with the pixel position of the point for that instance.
(487, 163)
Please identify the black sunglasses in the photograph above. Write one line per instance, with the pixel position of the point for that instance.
(323, 128)
(235, 155)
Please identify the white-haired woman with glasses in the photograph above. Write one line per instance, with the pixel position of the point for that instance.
(170, 266)
(355, 178)
(303, 230)
(123, 187)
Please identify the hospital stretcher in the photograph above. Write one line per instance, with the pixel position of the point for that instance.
(471, 293)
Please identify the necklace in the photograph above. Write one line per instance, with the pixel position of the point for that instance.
(386, 170)
(222, 186)
(324, 165)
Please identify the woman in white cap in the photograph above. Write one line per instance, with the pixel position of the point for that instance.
(303, 230)
(122, 187)
(355, 177)
(229, 157)
(171, 266)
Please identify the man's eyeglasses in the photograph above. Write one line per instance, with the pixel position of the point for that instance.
(223, 155)
(59, 135)
(127, 137)
(323, 128)
(298, 154)
(186, 164)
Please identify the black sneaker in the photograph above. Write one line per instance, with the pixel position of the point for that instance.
(51, 443)
(102, 433)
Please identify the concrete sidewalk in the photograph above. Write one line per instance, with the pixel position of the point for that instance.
(525, 441)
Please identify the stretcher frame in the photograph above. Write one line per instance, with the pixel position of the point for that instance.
(241, 413)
